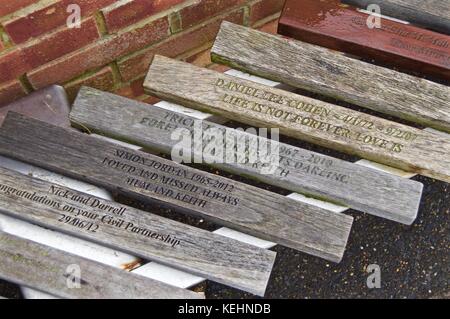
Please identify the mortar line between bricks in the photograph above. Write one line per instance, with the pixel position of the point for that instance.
(175, 23)
(28, 9)
(180, 6)
(268, 19)
(178, 35)
(174, 13)
(128, 83)
(174, 9)
(117, 77)
(101, 23)
(86, 74)
(144, 49)
(4, 37)
(34, 41)
(246, 19)
(184, 55)
(153, 18)
(194, 51)
(26, 84)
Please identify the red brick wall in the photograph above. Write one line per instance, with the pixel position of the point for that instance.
(116, 41)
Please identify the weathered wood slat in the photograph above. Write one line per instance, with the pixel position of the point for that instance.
(300, 170)
(90, 250)
(84, 248)
(146, 235)
(434, 14)
(312, 120)
(327, 23)
(50, 270)
(51, 105)
(320, 70)
(242, 207)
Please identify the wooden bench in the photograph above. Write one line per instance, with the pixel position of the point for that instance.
(68, 276)
(299, 170)
(146, 176)
(54, 99)
(205, 115)
(332, 74)
(144, 234)
(301, 117)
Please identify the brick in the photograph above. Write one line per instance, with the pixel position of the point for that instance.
(132, 90)
(137, 65)
(40, 51)
(8, 6)
(10, 91)
(102, 80)
(60, 43)
(205, 9)
(126, 12)
(99, 53)
(47, 17)
(12, 65)
(219, 67)
(264, 8)
(270, 27)
(202, 59)
(150, 100)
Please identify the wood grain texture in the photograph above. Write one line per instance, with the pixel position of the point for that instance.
(30, 264)
(236, 205)
(320, 70)
(312, 120)
(330, 24)
(299, 170)
(145, 235)
(434, 14)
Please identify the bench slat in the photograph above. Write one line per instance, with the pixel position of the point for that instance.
(394, 44)
(249, 209)
(146, 235)
(301, 117)
(326, 72)
(434, 14)
(34, 265)
(361, 188)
